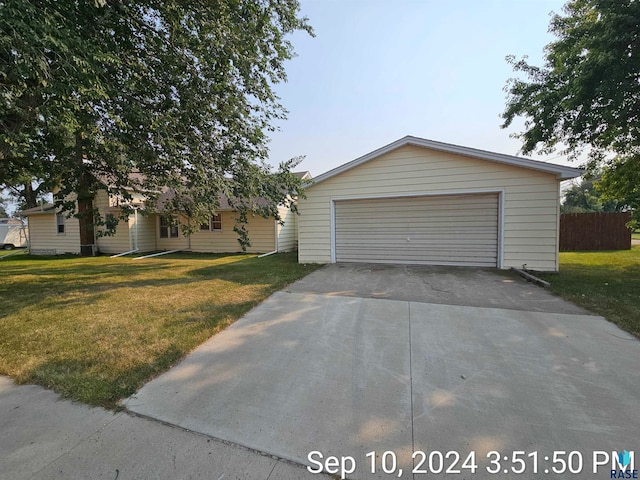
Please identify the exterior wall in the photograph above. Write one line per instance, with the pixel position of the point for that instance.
(147, 232)
(121, 241)
(179, 243)
(287, 233)
(44, 237)
(118, 243)
(261, 233)
(531, 200)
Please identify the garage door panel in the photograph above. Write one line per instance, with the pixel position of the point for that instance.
(441, 230)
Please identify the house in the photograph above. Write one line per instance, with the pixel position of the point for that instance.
(51, 232)
(418, 201)
(414, 201)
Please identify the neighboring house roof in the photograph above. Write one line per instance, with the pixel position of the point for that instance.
(223, 201)
(562, 172)
(303, 175)
(41, 209)
(10, 221)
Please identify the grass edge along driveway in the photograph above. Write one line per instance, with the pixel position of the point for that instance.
(96, 329)
(606, 283)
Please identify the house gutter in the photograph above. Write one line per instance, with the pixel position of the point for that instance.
(135, 216)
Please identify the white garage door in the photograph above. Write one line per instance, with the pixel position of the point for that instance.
(429, 230)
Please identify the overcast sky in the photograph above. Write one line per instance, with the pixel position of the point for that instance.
(379, 70)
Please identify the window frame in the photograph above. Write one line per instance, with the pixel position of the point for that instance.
(168, 227)
(216, 219)
(61, 224)
(213, 225)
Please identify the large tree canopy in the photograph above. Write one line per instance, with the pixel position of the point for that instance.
(140, 95)
(586, 97)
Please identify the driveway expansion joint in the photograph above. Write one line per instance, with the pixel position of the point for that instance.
(237, 445)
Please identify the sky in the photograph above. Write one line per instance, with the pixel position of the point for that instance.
(379, 70)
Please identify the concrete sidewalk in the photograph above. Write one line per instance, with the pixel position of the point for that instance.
(45, 437)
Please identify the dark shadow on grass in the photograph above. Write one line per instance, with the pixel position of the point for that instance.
(90, 382)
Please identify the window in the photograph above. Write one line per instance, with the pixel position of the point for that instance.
(214, 224)
(60, 223)
(168, 227)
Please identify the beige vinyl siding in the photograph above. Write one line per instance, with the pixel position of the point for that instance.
(531, 199)
(125, 238)
(287, 233)
(430, 230)
(44, 236)
(118, 243)
(261, 234)
(147, 232)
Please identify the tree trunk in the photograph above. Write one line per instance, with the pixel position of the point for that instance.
(29, 195)
(85, 199)
(85, 220)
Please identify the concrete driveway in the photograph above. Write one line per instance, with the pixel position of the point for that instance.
(366, 358)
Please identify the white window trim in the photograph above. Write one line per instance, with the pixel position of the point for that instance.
(63, 224)
(173, 222)
(210, 224)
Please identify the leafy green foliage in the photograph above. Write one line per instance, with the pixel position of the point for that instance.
(622, 178)
(585, 197)
(586, 97)
(3, 207)
(138, 96)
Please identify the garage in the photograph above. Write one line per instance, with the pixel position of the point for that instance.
(458, 230)
(419, 201)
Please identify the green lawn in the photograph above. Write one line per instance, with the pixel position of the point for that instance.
(606, 283)
(96, 329)
(635, 236)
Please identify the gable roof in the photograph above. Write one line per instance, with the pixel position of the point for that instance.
(40, 209)
(560, 171)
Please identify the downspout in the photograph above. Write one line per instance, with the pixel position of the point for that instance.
(158, 254)
(124, 253)
(135, 217)
(189, 237)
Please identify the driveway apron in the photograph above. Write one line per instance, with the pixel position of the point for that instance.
(382, 375)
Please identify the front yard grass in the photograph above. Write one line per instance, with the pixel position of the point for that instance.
(96, 329)
(606, 283)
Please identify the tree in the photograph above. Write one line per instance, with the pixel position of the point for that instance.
(140, 96)
(3, 207)
(584, 197)
(586, 97)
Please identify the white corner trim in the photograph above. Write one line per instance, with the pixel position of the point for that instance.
(333, 229)
(501, 207)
